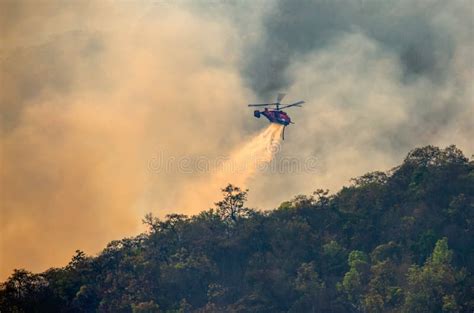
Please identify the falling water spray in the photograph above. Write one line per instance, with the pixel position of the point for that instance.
(241, 165)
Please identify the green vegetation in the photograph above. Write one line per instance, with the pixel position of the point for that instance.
(401, 241)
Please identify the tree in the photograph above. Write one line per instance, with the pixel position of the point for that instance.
(231, 208)
(311, 288)
(23, 292)
(384, 293)
(377, 177)
(355, 280)
(433, 287)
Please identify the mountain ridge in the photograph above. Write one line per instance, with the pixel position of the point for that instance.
(397, 241)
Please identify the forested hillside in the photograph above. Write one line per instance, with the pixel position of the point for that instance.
(400, 241)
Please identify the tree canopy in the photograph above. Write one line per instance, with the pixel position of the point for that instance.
(396, 241)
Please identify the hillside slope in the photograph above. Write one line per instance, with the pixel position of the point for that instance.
(401, 241)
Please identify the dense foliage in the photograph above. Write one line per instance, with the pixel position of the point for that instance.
(400, 241)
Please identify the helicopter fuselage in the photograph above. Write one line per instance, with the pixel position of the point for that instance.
(274, 116)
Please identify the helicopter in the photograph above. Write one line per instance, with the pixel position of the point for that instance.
(276, 115)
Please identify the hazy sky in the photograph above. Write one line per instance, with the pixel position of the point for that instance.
(95, 93)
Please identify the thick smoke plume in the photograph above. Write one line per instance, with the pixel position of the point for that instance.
(92, 90)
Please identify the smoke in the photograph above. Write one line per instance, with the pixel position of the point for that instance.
(247, 160)
(378, 78)
(423, 37)
(92, 91)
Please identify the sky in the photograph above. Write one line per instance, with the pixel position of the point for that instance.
(112, 109)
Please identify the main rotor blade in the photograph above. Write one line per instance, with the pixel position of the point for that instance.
(259, 105)
(262, 104)
(297, 104)
(280, 97)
